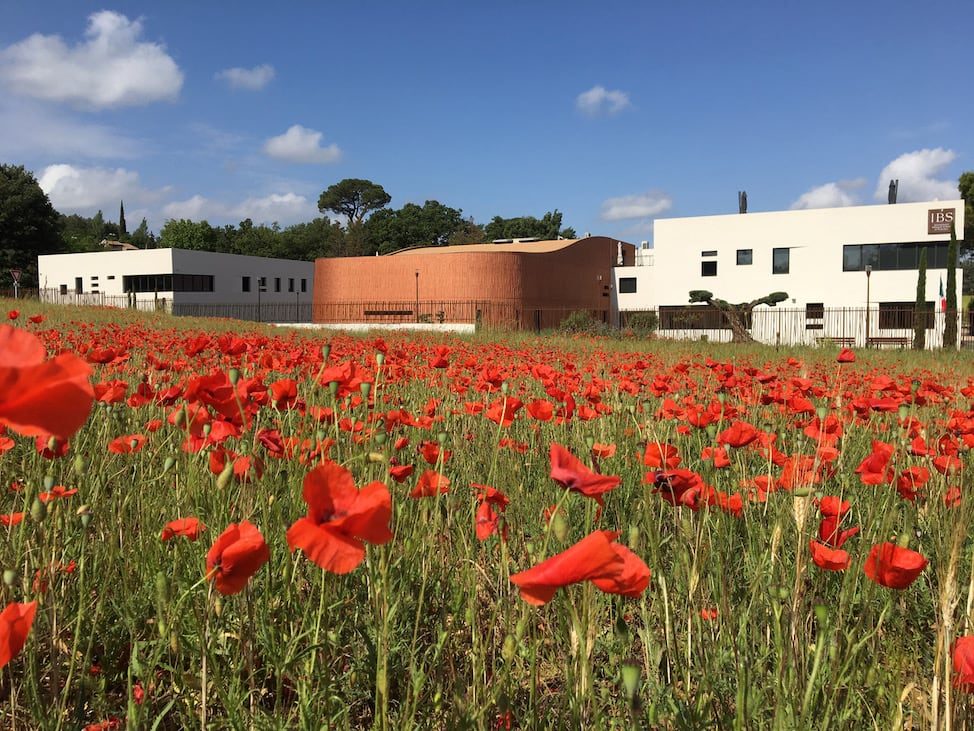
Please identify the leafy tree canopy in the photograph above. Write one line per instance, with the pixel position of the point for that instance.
(29, 225)
(431, 224)
(547, 227)
(353, 198)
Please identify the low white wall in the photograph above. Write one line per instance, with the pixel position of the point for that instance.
(451, 327)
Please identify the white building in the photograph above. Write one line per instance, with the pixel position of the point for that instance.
(180, 280)
(833, 263)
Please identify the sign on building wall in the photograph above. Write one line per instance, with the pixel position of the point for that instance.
(939, 220)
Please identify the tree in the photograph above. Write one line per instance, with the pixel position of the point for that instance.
(919, 310)
(546, 228)
(186, 234)
(966, 187)
(142, 237)
(353, 198)
(122, 233)
(309, 241)
(468, 232)
(29, 225)
(738, 314)
(428, 225)
(77, 233)
(950, 326)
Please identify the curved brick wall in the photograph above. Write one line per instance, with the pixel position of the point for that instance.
(518, 284)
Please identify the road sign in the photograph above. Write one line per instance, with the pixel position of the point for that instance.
(15, 273)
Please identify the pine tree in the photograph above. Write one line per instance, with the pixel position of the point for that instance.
(121, 221)
(950, 326)
(919, 310)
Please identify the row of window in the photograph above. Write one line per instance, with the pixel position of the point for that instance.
(892, 316)
(262, 284)
(780, 261)
(856, 257)
(167, 283)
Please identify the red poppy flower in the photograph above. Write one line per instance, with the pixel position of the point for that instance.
(39, 397)
(127, 444)
(503, 410)
(911, 481)
(661, 456)
(613, 568)
(15, 623)
(400, 473)
(492, 503)
(874, 469)
(603, 451)
(739, 434)
(893, 566)
(678, 487)
(340, 519)
(57, 492)
(846, 356)
(11, 519)
(13, 314)
(830, 559)
(569, 472)
(284, 393)
(430, 483)
(541, 410)
(235, 556)
(709, 614)
(963, 657)
(187, 527)
(36, 319)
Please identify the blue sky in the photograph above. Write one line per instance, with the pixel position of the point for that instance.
(614, 113)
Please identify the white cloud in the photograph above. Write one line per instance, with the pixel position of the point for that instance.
(30, 130)
(253, 79)
(284, 208)
(640, 205)
(112, 67)
(84, 190)
(917, 172)
(598, 101)
(830, 195)
(302, 145)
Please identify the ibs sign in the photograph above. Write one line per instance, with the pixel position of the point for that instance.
(939, 220)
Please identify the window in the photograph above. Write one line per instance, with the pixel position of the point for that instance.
(304, 285)
(711, 252)
(277, 284)
(780, 261)
(262, 283)
(627, 285)
(695, 317)
(245, 284)
(708, 269)
(79, 287)
(891, 257)
(900, 315)
(290, 284)
(814, 316)
(745, 257)
(168, 283)
(111, 276)
(94, 278)
(64, 289)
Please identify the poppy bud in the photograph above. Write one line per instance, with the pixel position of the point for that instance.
(821, 412)
(505, 388)
(48, 482)
(38, 511)
(380, 438)
(529, 548)
(633, 537)
(333, 388)
(721, 396)
(376, 457)
(509, 649)
(163, 628)
(904, 540)
(179, 418)
(711, 430)
(441, 437)
(520, 628)
(234, 376)
(326, 350)
(631, 680)
(914, 386)
(559, 526)
(802, 492)
(380, 358)
(590, 442)
(904, 411)
(174, 642)
(168, 464)
(224, 477)
(9, 577)
(162, 589)
(79, 465)
(218, 606)
(821, 614)
(85, 520)
(52, 443)
(783, 593)
(206, 430)
(365, 388)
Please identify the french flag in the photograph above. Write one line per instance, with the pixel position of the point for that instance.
(943, 299)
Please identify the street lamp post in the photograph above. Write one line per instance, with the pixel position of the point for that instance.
(869, 271)
(417, 295)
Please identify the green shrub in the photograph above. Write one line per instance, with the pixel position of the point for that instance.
(642, 324)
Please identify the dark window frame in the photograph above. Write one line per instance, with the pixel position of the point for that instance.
(776, 267)
(708, 269)
(747, 254)
(625, 283)
(900, 315)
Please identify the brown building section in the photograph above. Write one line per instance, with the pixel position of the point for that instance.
(522, 284)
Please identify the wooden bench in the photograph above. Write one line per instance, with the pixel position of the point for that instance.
(901, 341)
(844, 342)
(388, 313)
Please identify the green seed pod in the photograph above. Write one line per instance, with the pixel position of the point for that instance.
(380, 358)
(521, 628)
(631, 680)
(85, 520)
(590, 442)
(163, 628)
(9, 577)
(365, 388)
(218, 606)
(783, 593)
(79, 465)
(224, 477)
(505, 388)
(168, 464)
(711, 430)
(721, 396)
(821, 412)
(376, 457)
(509, 649)
(162, 589)
(48, 482)
(206, 430)
(333, 388)
(326, 350)
(633, 537)
(441, 438)
(234, 375)
(821, 614)
(904, 540)
(559, 526)
(380, 438)
(38, 511)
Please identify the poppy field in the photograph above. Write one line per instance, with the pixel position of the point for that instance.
(210, 526)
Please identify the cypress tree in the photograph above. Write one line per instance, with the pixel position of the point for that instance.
(919, 310)
(950, 326)
(121, 221)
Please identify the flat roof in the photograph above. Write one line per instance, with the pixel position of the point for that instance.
(516, 247)
(850, 209)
